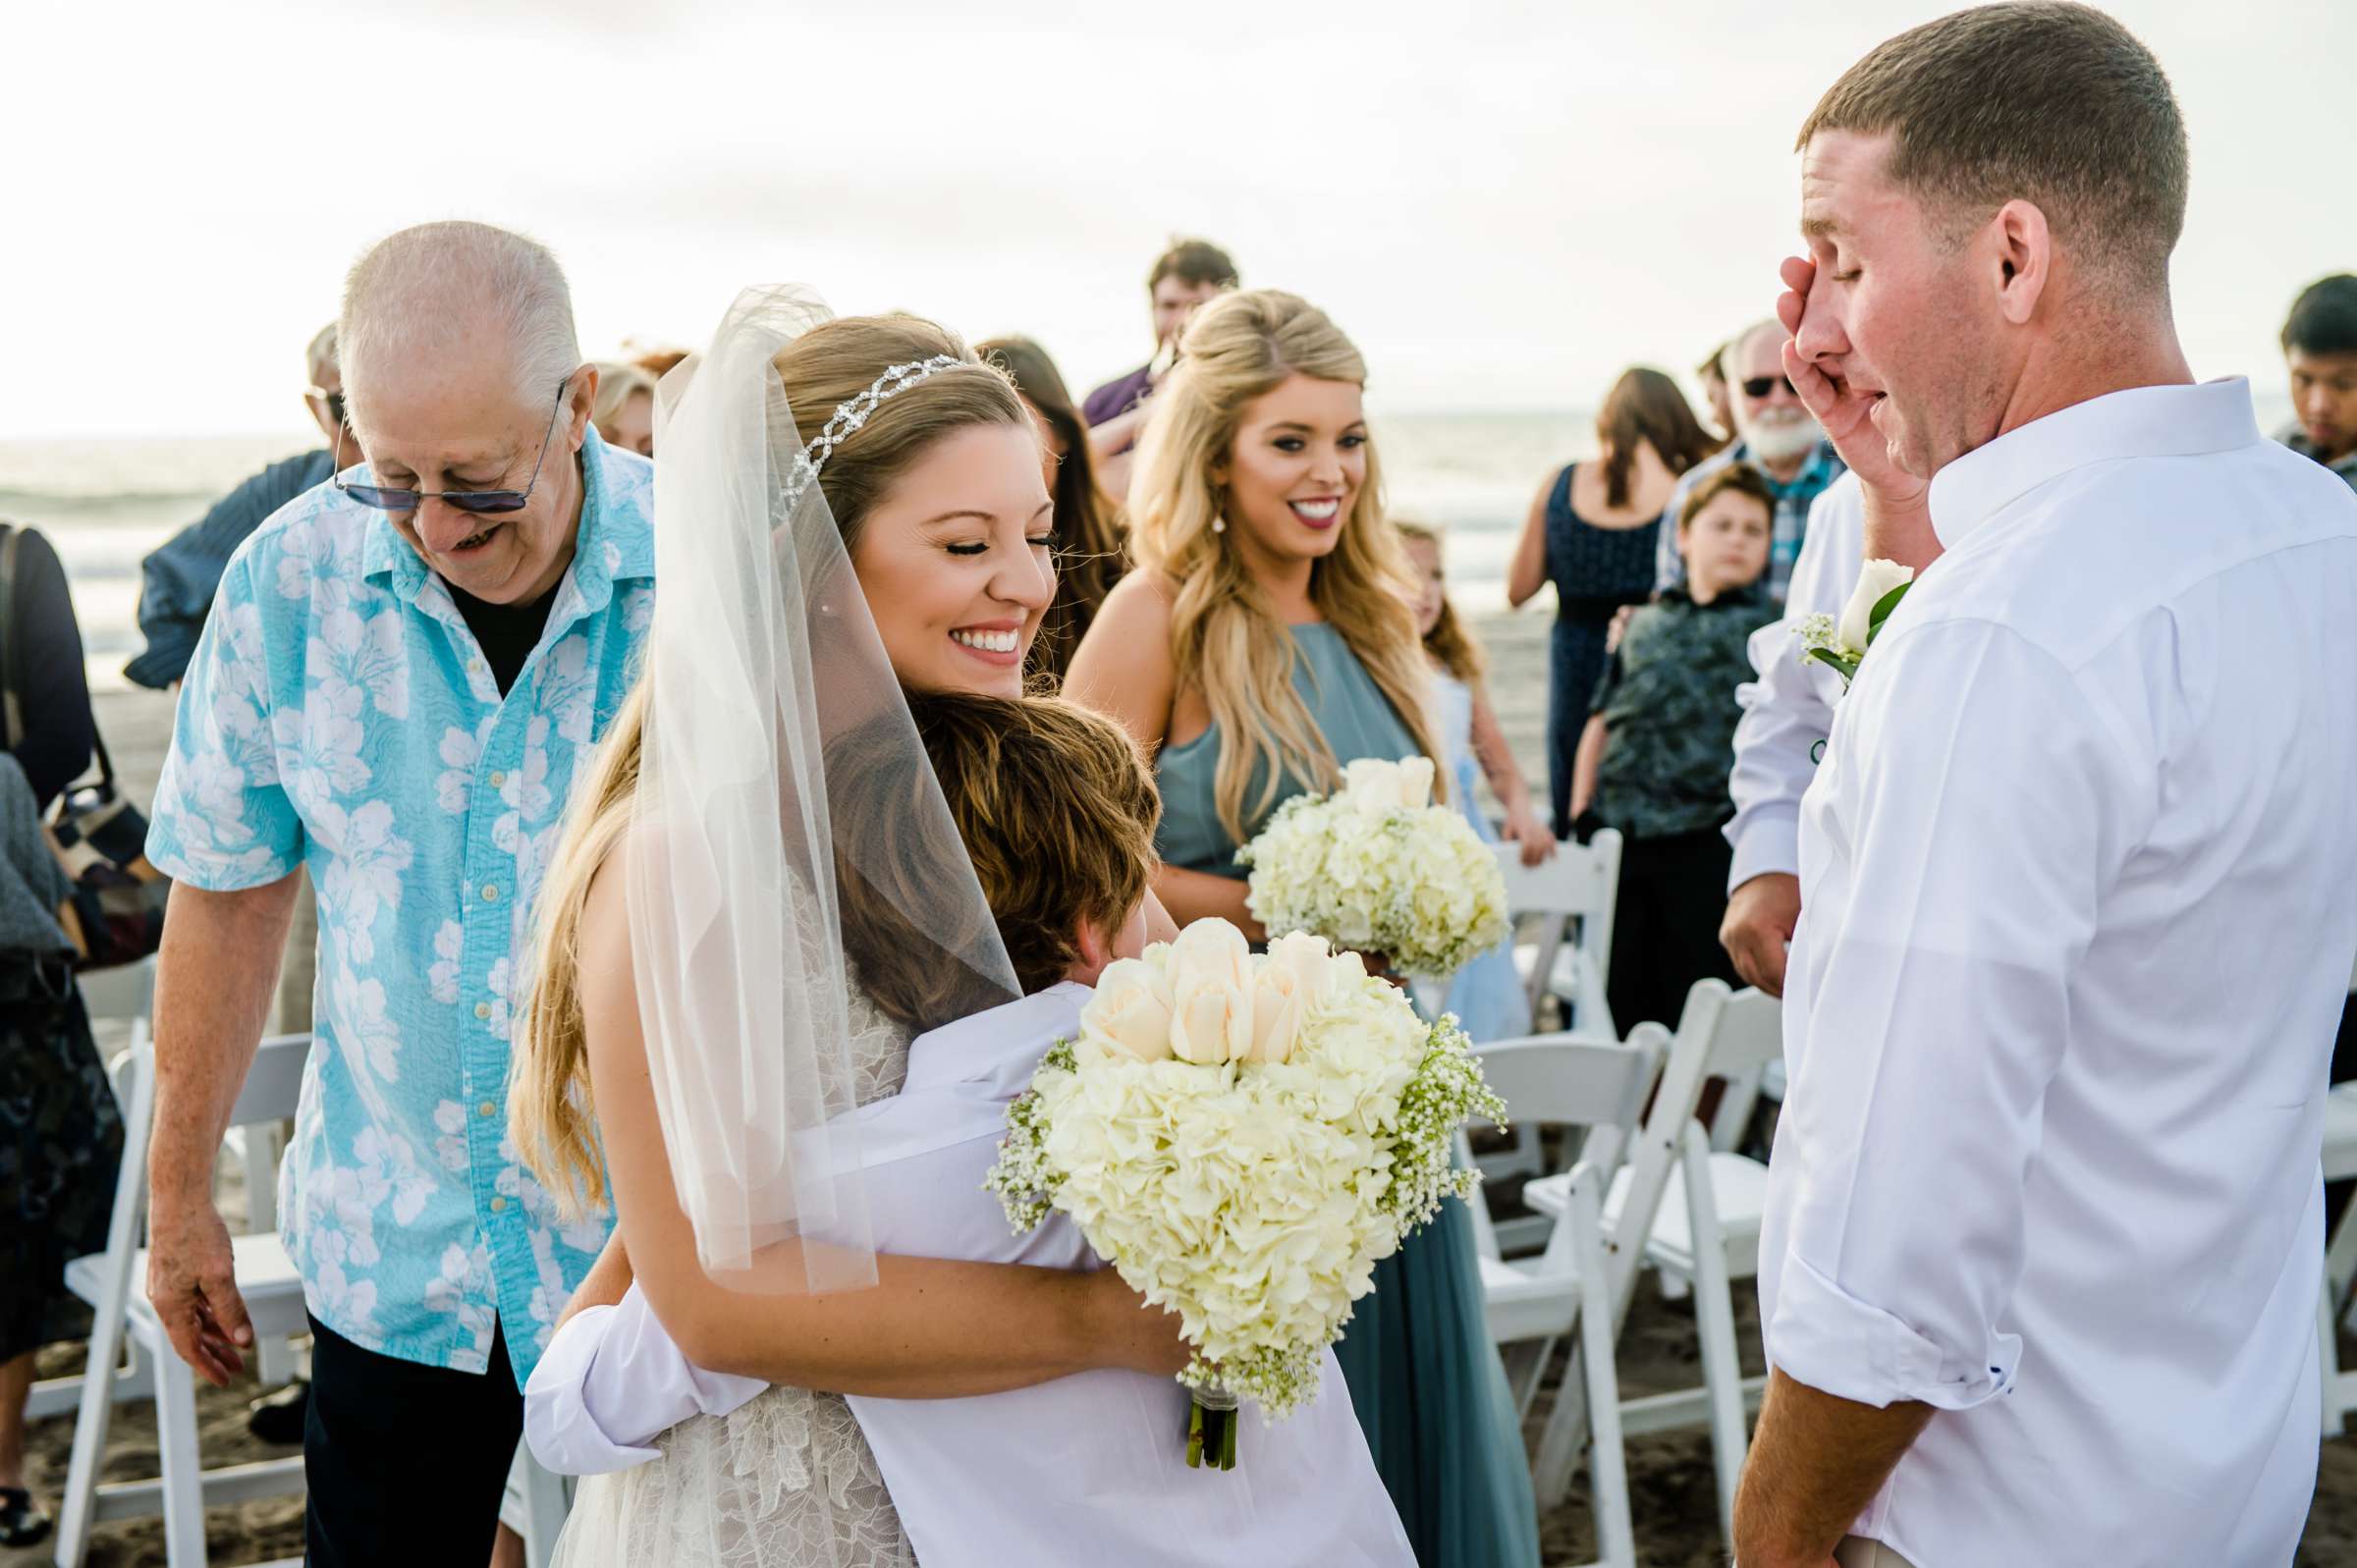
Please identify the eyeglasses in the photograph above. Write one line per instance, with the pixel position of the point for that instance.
(333, 400)
(1758, 387)
(475, 500)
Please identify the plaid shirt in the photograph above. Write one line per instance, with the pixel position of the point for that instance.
(2344, 465)
(1667, 701)
(1792, 525)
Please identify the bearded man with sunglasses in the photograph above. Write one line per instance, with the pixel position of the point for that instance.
(403, 672)
(1776, 435)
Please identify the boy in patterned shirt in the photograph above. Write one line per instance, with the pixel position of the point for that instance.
(1655, 758)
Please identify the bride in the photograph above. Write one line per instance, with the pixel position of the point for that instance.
(698, 987)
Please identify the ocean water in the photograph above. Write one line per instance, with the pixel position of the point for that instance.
(106, 504)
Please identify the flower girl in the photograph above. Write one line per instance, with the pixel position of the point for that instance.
(1487, 995)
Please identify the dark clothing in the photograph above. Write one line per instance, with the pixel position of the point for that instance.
(57, 734)
(1117, 396)
(405, 1463)
(1668, 699)
(1665, 925)
(507, 633)
(178, 581)
(1595, 572)
(61, 1144)
(2344, 465)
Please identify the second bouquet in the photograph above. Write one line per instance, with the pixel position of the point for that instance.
(1244, 1138)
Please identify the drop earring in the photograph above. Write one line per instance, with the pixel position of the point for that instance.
(1218, 523)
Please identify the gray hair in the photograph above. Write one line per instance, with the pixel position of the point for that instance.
(320, 358)
(1728, 349)
(420, 286)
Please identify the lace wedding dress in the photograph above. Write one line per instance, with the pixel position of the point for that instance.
(785, 1481)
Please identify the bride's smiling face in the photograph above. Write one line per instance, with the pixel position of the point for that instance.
(955, 560)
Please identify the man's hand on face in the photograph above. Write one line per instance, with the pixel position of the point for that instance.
(1843, 412)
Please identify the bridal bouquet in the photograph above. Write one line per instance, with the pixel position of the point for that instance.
(1244, 1138)
(1377, 867)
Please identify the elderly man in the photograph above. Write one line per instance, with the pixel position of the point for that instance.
(403, 670)
(2043, 1232)
(1776, 435)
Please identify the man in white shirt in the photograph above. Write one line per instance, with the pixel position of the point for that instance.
(2043, 1232)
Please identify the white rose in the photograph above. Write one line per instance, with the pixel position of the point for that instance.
(1877, 580)
(1296, 977)
(1415, 783)
(1131, 1009)
(1371, 785)
(1211, 995)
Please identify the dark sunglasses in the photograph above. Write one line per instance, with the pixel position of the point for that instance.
(333, 400)
(475, 500)
(1758, 387)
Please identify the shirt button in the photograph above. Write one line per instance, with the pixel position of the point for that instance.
(498, 778)
(487, 1108)
(499, 1205)
(490, 893)
(482, 1010)
(474, 666)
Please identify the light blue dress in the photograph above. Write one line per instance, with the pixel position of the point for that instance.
(1486, 994)
(1424, 1377)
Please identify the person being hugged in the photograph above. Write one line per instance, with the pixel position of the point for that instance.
(1264, 641)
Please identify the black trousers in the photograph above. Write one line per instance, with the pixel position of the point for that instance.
(406, 1463)
(1665, 927)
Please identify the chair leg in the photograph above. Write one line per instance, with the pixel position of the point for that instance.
(1715, 1321)
(2329, 1360)
(1608, 1464)
(544, 1510)
(184, 1470)
(1526, 1370)
(2341, 1259)
(79, 1511)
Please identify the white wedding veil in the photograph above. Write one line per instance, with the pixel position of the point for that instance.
(790, 839)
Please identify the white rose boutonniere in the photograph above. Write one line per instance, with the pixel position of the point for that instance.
(1843, 644)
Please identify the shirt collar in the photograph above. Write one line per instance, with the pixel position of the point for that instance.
(615, 541)
(2179, 421)
(1005, 1041)
(1819, 470)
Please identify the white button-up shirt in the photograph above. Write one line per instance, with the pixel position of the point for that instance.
(1085, 1469)
(2076, 911)
(1789, 710)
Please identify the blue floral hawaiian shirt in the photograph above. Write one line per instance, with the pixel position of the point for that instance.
(339, 715)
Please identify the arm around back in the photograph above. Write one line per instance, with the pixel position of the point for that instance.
(930, 1327)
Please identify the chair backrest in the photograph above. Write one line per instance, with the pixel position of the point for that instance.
(125, 992)
(1723, 1033)
(1581, 883)
(1579, 1079)
(274, 1083)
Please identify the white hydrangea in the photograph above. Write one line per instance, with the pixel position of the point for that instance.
(1377, 867)
(1250, 1190)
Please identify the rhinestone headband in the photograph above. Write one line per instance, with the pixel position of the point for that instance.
(849, 417)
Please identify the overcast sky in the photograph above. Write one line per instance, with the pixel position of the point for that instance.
(1503, 204)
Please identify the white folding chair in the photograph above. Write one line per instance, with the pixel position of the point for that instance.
(1533, 1304)
(1693, 1214)
(1563, 913)
(135, 1378)
(2340, 1258)
(114, 1283)
(534, 1508)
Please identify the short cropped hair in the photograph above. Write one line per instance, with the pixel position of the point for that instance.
(2040, 100)
(1058, 812)
(2324, 318)
(1194, 261)
(1741, 477)
(409, 284)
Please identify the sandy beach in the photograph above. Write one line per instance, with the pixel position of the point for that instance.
(1670, 1474)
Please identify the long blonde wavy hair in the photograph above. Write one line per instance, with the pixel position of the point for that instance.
(549, 1107)
(1227, 637)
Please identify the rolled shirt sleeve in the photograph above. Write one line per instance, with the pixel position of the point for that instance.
(222, 821)
(1788, 708)
(1962, 851)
